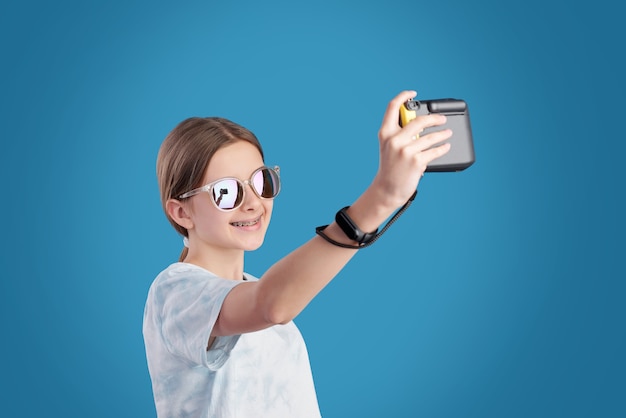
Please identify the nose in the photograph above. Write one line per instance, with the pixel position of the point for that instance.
(251, 200)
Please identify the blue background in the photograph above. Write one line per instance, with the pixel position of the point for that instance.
(500, 293)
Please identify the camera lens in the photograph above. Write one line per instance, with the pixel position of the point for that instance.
(412, 105)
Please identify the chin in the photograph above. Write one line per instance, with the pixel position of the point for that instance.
(253, 244)
(253, 247)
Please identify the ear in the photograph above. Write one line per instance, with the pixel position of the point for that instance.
(179, 213)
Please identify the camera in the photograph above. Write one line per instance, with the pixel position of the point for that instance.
(461, 154)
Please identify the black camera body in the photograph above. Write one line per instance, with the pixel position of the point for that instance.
(461, 154)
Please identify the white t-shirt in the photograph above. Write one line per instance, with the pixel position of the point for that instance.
(259, 374)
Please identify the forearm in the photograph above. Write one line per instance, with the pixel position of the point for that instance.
(290, 284)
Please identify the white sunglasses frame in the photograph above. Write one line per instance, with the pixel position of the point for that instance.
(209, 187)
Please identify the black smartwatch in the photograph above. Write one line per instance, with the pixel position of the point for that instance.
(351, 230)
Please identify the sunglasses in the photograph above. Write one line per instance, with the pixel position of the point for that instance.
(228, 193)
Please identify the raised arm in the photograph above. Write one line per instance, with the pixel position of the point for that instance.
(291, 283)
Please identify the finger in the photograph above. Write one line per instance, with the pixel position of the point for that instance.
(422, 149)
(417, 125)
(431, 139)
(413, 130)
(432, 154)
(390, 119)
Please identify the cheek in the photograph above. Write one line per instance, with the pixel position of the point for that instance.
(269, 206)
(207, 216)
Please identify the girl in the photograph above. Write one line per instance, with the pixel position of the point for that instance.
(220, 342)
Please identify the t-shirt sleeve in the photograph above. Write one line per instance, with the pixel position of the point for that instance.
(191, 300)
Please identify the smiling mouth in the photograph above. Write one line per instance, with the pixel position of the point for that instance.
(248, 223)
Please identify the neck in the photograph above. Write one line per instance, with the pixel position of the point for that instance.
(227, 264)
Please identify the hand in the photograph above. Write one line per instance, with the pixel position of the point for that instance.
(404, 154)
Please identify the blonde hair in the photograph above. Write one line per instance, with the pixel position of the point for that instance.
(185, 155)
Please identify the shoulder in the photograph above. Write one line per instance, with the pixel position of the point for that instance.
(181, 279)
(180, 272)
(185, 269)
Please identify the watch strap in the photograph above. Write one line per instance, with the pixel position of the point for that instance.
(351, 229)
(376, 235)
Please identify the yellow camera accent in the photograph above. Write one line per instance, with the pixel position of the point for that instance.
(406, 115)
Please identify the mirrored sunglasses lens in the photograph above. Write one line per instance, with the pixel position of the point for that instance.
(266, 183)
(227, 194)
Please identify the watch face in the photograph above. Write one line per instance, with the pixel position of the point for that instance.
(347, 226)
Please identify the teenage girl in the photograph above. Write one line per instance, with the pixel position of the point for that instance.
(220, 342)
